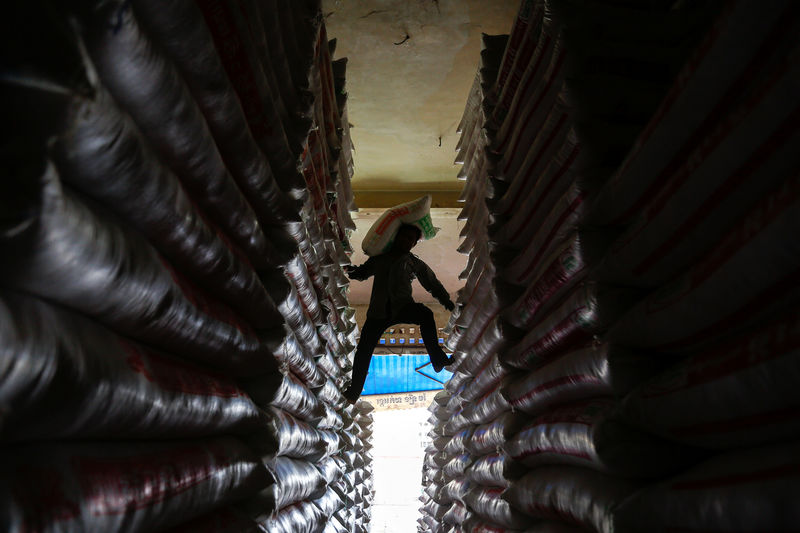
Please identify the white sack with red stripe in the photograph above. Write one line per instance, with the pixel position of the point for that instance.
(748, 490)
(125, 487)
(550, 277)
(577, 495)
(586, 434)
(586, 312)
(753, 271)
(598, 369)
(745, 157)
(739, 393)
(730, 59)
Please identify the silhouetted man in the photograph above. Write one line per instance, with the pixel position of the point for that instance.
(391, 303)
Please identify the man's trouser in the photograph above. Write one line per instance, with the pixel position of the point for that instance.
(413, 313)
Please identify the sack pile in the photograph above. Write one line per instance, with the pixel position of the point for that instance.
(174, 326)
(625, 337)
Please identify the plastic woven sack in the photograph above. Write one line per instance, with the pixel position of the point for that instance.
(327, 363)
(719, 187)
(490, 437)
(287, 436)
(587, 311)
(149, 88)
(598, 369)
(454, 490)
(740, 393)
(457, 443)
(331, 420)
(122, 487)
(329, 503)
(732, 57)
(294, 358)
(285, 296)
(66, 376)
(116, 277)
(300, 276)
(457, 422)
(457, 465)
(558, 273)
(234, 34)
(555, 227)
(434, 510)
(488, 503)
(333, 442)
(330, 470)
(380, 236)
(748, 490)
(495, 470)
(295, 480)
(571, 168)
(586, 434)
(457, 514)
(577, 495)
(496, 336)
(301, 517)
(750, 274)
(97, 141)
(286, 392)
(487, 408)
(182, 33)
(513, 73)
(329, 393)
(485, 380)
(225, 520)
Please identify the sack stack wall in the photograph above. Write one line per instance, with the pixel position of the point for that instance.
(174, 325)
(624, 340)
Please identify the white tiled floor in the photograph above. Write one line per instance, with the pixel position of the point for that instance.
(399, 440)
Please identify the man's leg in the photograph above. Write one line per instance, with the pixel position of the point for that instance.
(416, 313)
(370, 334)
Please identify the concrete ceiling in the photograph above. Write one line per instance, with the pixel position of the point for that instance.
(405, 100)
(404, 103)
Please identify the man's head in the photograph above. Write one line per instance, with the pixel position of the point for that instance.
(406, 238)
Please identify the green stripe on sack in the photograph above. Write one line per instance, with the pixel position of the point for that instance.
(426, 225)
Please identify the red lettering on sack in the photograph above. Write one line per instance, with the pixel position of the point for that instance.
(176, 376)
(393, 215)
(766, 344)
(41, 490)
(207, 305)
(776, 417)
(570, 211)
(706, 129)
(118, 485)
(562, 335)
(545, 90)
(790, 471)
(517, 34)
(568, 380)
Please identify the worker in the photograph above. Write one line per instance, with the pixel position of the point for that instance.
(391, 303)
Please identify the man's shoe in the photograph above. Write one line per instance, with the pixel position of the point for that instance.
(349, 397)
(441, 363)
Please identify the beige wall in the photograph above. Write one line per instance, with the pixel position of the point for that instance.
(439, 253)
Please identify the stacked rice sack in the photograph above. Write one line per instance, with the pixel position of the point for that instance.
(623, 338)
(175, 332)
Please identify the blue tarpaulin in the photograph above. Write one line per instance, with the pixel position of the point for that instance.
(389, 374)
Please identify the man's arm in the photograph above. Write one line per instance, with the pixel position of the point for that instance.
(431, 284)
(362, 272)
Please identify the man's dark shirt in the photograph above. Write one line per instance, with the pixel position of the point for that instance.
(391, 288)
